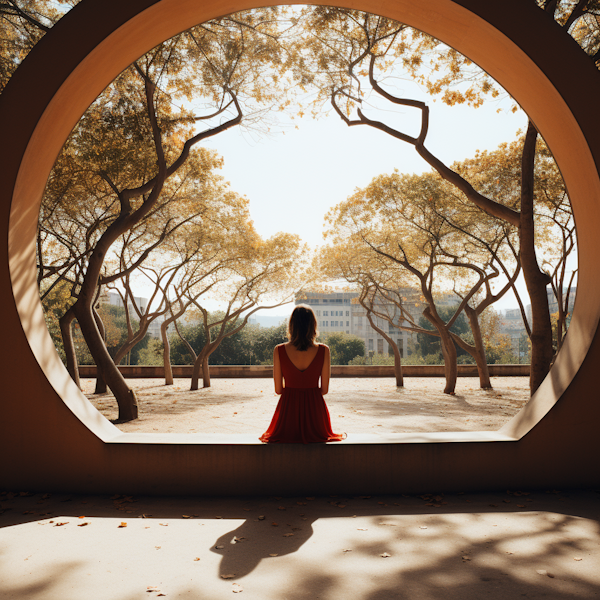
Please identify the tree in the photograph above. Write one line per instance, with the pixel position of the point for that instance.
(136, 139)
(402, 219)
(344, 347)
(357, 50)
(263, 269)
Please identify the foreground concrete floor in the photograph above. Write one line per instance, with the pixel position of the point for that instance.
(469, 546)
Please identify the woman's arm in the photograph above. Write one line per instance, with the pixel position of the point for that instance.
(326, 372)
(277, 375)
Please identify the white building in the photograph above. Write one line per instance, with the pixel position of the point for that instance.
(114, 299)
(340, 311)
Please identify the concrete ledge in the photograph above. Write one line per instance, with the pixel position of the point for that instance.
(247, 439)
(266, 371)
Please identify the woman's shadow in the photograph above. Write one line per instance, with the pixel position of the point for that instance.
(243, 548)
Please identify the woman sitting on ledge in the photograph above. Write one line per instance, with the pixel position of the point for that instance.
(301, 416)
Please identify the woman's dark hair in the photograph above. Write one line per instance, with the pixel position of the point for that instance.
(302, 327)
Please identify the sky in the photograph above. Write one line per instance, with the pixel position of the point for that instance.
(294, 176)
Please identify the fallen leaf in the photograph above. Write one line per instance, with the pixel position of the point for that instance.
(123, 524)
(275, 524)
(237, 588)
(186, 516)
(230, 576)
(146, 516)
(520, 506)
(83, 524)
(197, 558)
(288, 534)
(218, 517)
(341, 506)
(388, 524)
(507, 552)
(157, 547)
(301, 503)
(541, 572)
(60, 524)
(261, 517)
(362, 529)
(577, 558)
(219, 547)
(385, 555)
(164, 524)
(466, 558)
(273, 554)
(281, 507)
(347, 550)
(423, 527)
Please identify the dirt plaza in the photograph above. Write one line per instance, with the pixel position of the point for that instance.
(356, 405)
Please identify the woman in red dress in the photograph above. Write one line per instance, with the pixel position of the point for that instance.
(301, 416)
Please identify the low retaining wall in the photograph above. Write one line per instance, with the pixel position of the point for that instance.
(266, 371)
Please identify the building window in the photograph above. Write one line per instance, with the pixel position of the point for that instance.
(347, 313)
(325, 313)
(347, 324)
(370, 344)
(379, 346)
(318, 313)
(326, 323)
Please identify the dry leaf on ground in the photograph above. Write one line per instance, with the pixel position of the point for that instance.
(230, 576)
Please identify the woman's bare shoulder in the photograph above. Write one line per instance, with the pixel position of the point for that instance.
(325, 346)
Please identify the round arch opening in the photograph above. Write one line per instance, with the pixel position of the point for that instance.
(105, 37)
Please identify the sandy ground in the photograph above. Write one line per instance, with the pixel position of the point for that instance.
(356, 405)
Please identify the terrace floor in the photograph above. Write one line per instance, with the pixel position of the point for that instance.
(356, 405)
(497, 546)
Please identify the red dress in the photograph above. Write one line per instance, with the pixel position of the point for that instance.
(301, 416)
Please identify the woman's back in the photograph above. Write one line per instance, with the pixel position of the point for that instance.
(308, 371)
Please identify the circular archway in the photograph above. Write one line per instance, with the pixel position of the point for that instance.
(517, 44)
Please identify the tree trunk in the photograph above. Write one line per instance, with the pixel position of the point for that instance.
(125, 397)
(448, 350)
(535, 279)
(450, 363)
(205, 373)
(101, 387)
(66, 323)
(166, 352)
(390, 341)
(479, 354)
(201, 365)
(397, 366)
